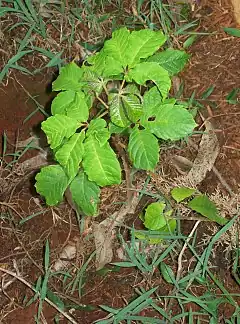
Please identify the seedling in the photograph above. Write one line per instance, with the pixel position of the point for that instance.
(127, 85)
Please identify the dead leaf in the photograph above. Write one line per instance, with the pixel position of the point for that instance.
(104, 233)
(35, 162)
(68, 253)
(103, 243)
(33, 140)
(207, 153)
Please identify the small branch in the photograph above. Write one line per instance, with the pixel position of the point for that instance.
(179, 271)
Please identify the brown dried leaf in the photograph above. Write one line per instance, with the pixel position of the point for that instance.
(206, 157)
(103, 243)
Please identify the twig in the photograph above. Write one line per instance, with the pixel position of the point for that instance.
(46, 299)
(179, 271)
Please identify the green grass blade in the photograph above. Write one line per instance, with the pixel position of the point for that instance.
(47, 257)
(24, 220)
(130, 307)
(18, 56)
(215, 238)
(26, 39)
(32, 11)
(232, 31)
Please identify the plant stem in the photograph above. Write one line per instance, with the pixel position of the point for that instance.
(122, 85)
(102, 102)
(103, 114)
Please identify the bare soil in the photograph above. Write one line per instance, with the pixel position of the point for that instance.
(215, 60)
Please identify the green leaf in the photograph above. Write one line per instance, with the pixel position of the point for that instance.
(91, 81)
(204, 206)
(232, 31)
(169, 122)
(85, 194)
(97, 129)
(171, 60)
(51, 183)
(57, 128)
(132, 107)
(100, 163)
(143, 149)
(116, 47)
(124, 109)
(72, 104)
(113, 129)
(167, 273)
(154, 216)
(117, 112)
(189, 41)
(208, 92)
(154, 72)
(69, 78)
(70, 154)
(142, 44)
(104, 65)
(179, 194)
(132, 89)
(151, 101)
(55, 299)
(232, 97)
(170, 227)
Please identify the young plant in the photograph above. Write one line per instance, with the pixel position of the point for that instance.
(128, 86)
(199, 203)
(158, 222)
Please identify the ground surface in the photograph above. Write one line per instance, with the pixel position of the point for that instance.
(215, 61)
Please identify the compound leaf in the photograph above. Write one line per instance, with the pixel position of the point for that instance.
(145, 71)
(57, 128)
(171, 60)
(142, 44)
(100, 163)
(154, 216)
(143, 149)
(69, 78)
(204, 206)
(72, 104)
(179, 194)
(51, 183)
(85, 194)
(169, 122)
(70, 154)
(116, 47)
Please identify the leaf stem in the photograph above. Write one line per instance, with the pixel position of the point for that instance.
(103, 114)
(105, 89)
(122, 85)
(102, 102)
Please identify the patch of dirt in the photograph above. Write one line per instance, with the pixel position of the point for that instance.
(215, 62)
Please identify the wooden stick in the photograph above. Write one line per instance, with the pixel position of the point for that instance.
(236, 10)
